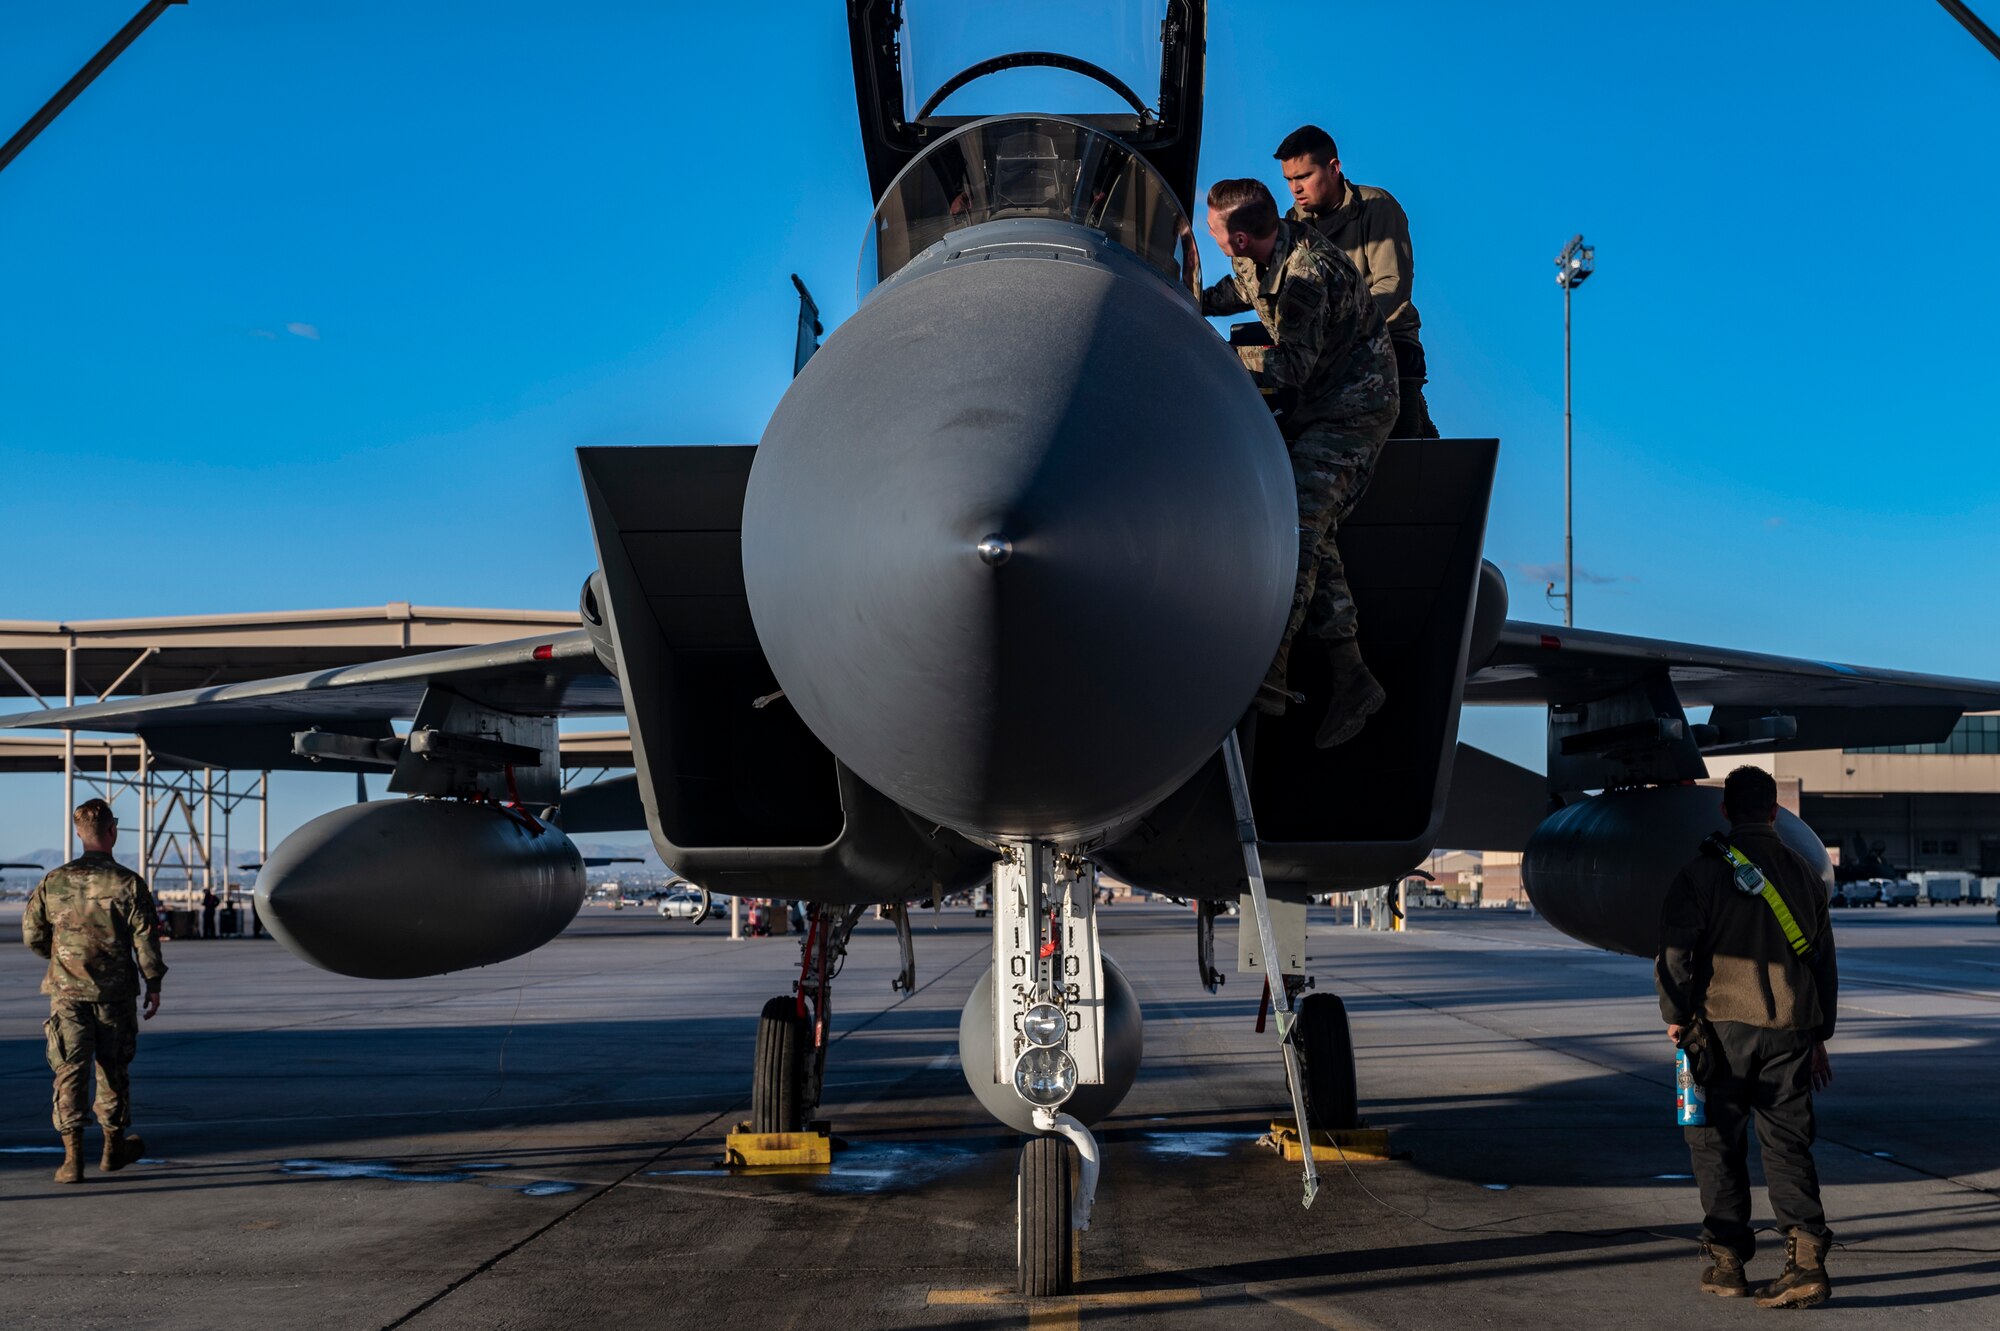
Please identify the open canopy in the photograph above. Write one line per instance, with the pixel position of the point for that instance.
(1130, 68)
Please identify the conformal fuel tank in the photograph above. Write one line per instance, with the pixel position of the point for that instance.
(1599, 870)
(394, 889)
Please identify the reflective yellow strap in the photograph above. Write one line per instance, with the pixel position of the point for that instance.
(1793, 934)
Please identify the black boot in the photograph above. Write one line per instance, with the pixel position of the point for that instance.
(1803, 1283)
(1274, 693)
(1356, 696)
(1723, 1274)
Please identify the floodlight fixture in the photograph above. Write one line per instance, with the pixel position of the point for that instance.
(1576, 263)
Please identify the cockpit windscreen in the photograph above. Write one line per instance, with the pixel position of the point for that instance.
(1030, 166)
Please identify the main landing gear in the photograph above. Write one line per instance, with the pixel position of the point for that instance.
(1326, 1049)
(793, 1031)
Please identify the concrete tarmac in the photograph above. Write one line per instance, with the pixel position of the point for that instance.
(535, 1144)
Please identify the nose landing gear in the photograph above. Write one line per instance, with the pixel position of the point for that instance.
(1044, 1243)
(1048, 1014)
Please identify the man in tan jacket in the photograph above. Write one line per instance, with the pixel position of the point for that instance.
(1371, 227)
(1749, 987)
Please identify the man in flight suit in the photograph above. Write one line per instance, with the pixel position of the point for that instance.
(1371, 229)
(87, 918)
(1757, 1008)
(1330, 348)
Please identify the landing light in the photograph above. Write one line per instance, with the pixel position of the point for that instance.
(1044, 1025)
(1045, 1077)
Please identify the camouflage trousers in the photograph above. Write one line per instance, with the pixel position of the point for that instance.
(1331, 471)
(81, 1033)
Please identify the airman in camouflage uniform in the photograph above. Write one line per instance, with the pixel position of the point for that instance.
(87, 918)
(1329, 346)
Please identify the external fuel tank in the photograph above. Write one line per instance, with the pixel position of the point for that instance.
(1599, 870)
(395, 889)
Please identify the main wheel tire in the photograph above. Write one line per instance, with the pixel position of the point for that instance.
(1327, 1048)
(777, 1084)
(1044, 1242)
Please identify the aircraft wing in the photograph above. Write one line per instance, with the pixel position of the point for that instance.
(1821, 704)
(557, 675)
(1537, 663)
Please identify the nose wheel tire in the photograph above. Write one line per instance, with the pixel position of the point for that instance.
(1326, 1047)
(777, 1085)
(1045, 1245)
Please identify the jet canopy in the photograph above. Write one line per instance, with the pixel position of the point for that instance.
(1030, 167)
(1132, 69)
(945, 46)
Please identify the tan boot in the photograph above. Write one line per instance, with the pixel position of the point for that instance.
(71, 1169)
(1356, 696)
(1724, 1273)
(120, 1150)
(1803, 1283)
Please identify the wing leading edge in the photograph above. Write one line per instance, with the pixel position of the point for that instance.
(251, 723)
(1537, 663)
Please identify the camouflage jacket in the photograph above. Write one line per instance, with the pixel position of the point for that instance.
(1373, 231)
(1328, 338)
(87, 918)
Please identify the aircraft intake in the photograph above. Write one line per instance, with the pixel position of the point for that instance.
(1021, 569)
(395, 889)
(1599, 869)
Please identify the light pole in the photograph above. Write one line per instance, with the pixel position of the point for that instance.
(1573, 267)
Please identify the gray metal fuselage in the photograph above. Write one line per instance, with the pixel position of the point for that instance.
(1029, 382)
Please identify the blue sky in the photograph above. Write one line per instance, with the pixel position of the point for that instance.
(308, 305)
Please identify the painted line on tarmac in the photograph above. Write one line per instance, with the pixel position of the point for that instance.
(174, 1041)
(1653, 1077)
(1066, 1311)
(1862, 978)
(454, 1111)
(631, 1175)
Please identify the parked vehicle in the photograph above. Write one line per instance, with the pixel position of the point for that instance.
(1897, 891)
(682, 903)
(1855, 892)
(982, 901)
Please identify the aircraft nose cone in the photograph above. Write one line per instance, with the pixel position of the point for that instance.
(1019, 543)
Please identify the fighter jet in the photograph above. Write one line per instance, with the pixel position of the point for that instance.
(989, 602)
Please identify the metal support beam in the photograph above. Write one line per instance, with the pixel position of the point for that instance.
(208, 829)
(145, 811)
(1281, 993)
(26, 687)
(1971, 23)
(82, 79)
(126, 673)
(69, 748)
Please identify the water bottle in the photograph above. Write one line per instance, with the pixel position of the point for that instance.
(1690, 1105)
